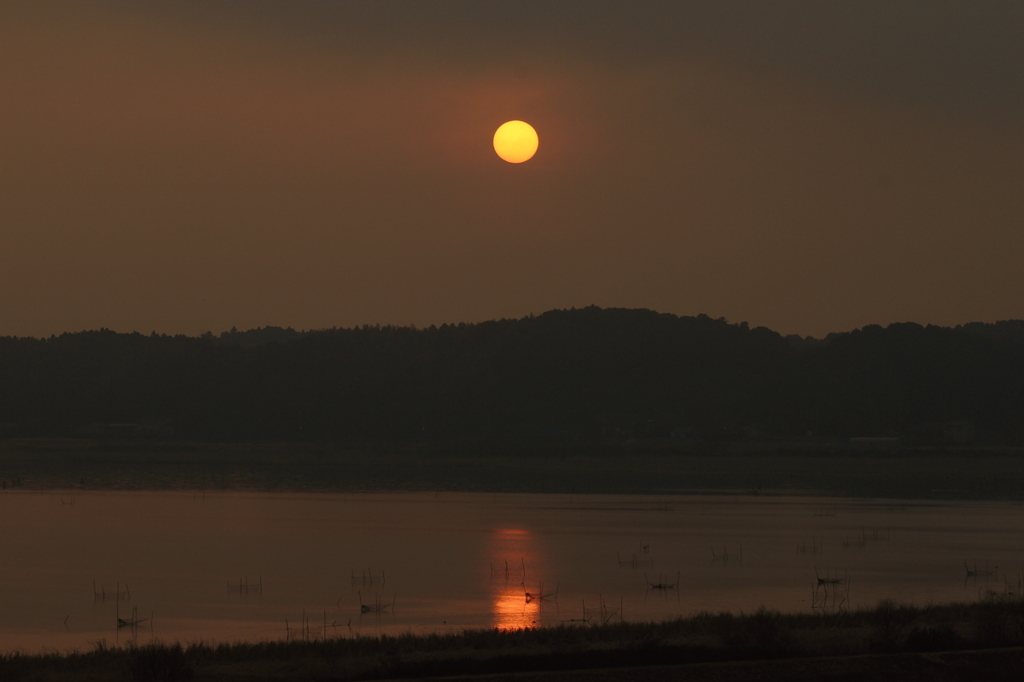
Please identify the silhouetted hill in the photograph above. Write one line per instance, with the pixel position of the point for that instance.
(587, 373)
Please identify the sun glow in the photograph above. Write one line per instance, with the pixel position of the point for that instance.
(516, 141)
(517, 574)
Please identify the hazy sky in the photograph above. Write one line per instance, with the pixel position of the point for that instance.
(808, 166)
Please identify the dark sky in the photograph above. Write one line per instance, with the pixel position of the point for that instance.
(807, 166)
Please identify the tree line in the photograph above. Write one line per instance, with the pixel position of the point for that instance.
(581, 373)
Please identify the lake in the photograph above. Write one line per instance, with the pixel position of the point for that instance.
(229, 566)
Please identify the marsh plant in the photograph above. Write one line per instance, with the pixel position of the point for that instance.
(158, 663)
(1001, 619)
(890, 620)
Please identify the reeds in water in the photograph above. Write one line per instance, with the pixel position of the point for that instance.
(633, 562)
(101, 594)
(725, 557)
(377, 606)
(243, 586)
(585, 619)
(540, 595)
(982, 572)
(817, 546)
(830, 594)
(606, 615)
(662, 584)
(368, 577)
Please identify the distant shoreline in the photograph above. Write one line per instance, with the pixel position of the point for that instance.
(962, 473)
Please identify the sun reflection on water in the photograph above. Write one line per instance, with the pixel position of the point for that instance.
(517, 574)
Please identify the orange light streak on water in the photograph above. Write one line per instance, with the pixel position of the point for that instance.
(517, 571)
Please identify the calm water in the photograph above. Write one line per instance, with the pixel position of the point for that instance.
(238, 566)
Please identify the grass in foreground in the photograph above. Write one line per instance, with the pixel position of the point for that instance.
(997, 621)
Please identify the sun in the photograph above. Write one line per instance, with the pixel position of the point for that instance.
(516, 141)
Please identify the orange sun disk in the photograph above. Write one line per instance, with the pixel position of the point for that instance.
(516, 141)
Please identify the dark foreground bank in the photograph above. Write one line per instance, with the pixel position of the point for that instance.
(982, 640)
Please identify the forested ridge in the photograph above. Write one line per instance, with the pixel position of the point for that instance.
(582, 373)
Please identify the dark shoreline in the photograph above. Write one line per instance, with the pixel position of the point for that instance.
(660, 468)
(947, 642)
